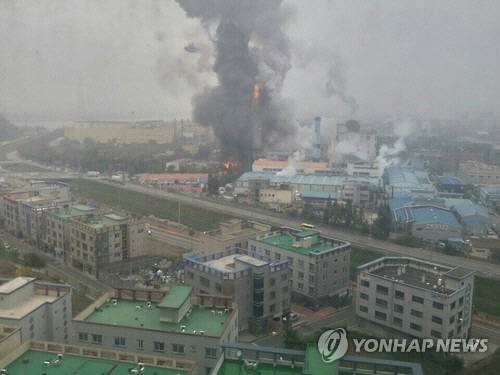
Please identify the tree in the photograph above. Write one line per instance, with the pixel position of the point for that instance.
(24, 272)
(382, 225)
(34, 260)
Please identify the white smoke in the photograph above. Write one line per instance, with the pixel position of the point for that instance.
(388, 155)
(293, 161)
(354, 144)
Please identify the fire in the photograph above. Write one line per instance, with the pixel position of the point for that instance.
(229, 164)
(256, 96)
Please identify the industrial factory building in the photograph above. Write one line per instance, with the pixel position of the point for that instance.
(319, 264)
(474, 172)
(418, 298)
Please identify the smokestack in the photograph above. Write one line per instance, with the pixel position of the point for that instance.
(317, 145)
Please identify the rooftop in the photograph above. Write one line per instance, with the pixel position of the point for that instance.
(126, 314)
(32, 362)
(287, 242)
(465, 207)
(284, 164)
(450, 180)
(306, 233)
(25, 306)
(83, 207)
(115, 217)
(176, 296)
(311, 194)
(459, 272)
(479, 166)
(14, 284)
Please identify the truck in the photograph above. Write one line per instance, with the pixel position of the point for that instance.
(93, 174)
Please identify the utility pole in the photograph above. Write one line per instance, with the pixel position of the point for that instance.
(179, 213)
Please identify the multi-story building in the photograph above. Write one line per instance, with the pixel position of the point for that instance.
(41, 310)
(319, 265)
(257, 283)
(97, 240)
(45, 357)
(303, 167)
(418, 298)
(359, 193)
(231, 234)
(490, 195)
(154, 322)
(474, 172)
(11, 208)
(55, 228)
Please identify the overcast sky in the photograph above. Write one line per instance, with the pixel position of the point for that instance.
(75, 59)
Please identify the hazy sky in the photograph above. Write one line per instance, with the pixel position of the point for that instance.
(100, 59)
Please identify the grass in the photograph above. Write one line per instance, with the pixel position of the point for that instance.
(486, 295)
(144, 204)
(361, 256)
(23, 167)
(487, 366)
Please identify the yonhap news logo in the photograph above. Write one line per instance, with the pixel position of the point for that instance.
(332, 344)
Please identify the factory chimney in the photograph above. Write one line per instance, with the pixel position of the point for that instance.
(317, 143)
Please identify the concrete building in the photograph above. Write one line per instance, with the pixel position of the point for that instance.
(41, 310)
(451, 187)
(153, 322)
(242, 358)
(231, 234)
(319, 265)
(490, 195)
(44, 357)
(11, 208)
(474, 172)
(474, 218)
(359, 193)
(279, 196)
(55, 228)
(484, 248)
(418, 298)
(124, 132)
(303, 167)
(257, 283)
(98, 240)
(363, 169)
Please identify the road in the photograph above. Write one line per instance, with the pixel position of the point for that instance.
(173, 238)
(482, 332)
(66, 273)
(384, 247)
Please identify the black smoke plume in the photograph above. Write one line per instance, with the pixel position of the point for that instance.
(250, 48)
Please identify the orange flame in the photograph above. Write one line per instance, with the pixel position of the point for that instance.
(256, 96)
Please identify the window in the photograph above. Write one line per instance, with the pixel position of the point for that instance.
(285, 289)
(284, 276)
(290, 260)
(97, 339)
(208, 370)
(204, 281)
(417, 313)
(177, 348)
(311, 267)
(272, 308)
(363, 309)
(365, 283)
(381, 302)
(325, 265)
(417, 299)
(190, 275)
(268, 252)
(399, 294)
(119, 341)
(311, 290)
(435, 334)
(211, 352)
(301, 275)
(397, 321)
(300, 286)
(272, 281)
(272, 295)
(452, 319)
(363, 296)
(461, 301)
(380, 315)
(382, 289)
(218, 287)
(398, 308)
(277, 256)
(301, 263)
(284, 302)
(453, 304)
(437, 319)
(437, 305)
(311, 279)
(83, 336)
(158, 346)
(140, 344)
(416, 327)
(325, 277)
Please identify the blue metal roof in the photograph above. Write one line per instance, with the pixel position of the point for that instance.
(465, 207)
(405, 175)
(427, 215)
(450, 180)
(491, 189)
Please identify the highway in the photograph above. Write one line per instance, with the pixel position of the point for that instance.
(384, 247)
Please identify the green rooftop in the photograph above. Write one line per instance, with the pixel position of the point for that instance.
(287, 240)
(115, 217)
(315, 365)
(32, 362)
(176, 296)
(306, 233)
(235, 367)
(83, 207)
(126, 314)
